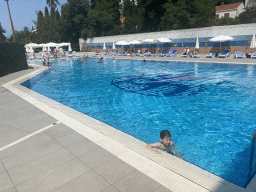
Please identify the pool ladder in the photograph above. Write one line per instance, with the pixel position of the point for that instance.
(252, 165)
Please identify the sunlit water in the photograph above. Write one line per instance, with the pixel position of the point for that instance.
(208, 108)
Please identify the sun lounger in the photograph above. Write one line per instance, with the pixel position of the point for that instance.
(68, 54)
(174, 52)
(224, 54)
(168, 53)
(146, 54)
(239, 54)
(138, 53)
(161, 53)
(116, 53)
(253, 56)
(112, 53)
(184, 54)
(30, 56)
(106, 53)
(196, 55)
(74, 53)
(210, 55)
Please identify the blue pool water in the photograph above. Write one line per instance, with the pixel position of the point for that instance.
(208, 108)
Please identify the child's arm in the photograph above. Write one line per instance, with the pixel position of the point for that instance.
(149, 146)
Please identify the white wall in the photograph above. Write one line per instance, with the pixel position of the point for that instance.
(230, 30)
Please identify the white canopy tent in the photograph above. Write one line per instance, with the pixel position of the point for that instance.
(64, 45)
(29, 47)
(135, 42)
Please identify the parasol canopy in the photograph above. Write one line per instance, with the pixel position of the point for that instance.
(164, 40)
(253, 43)
(122, 43)
(149, 41)
(197, 43)
(221, 38)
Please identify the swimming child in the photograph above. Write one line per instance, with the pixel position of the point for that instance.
(166, 144)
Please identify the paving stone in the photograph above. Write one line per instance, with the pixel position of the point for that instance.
(8, 134)
(136, 182)
(12, 189)
(82, 147)
(2, 169)
(5, 181)
(162, 189)
(38, 121)
(114, 170)
(30, 154)
(54, 178)
(59, 130)
(110, 189)
(40, 165)
(71, 139)
(89, 181)
(33, 141)
(97, 157)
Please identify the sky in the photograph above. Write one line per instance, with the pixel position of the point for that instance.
(22, 12)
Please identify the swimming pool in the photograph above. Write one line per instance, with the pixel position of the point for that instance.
(208, 108)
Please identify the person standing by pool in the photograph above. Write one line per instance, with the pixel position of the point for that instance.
(166, 144)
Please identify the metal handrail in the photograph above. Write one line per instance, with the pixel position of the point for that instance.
(250, 174)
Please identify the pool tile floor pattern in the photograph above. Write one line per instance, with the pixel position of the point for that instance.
(58, 158)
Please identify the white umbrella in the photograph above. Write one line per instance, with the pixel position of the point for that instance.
(221, 38)
(135, 42)
(122, 43)
(113, 46)
(69, 47)
(197, 43)
(149, 41)
(253, 43)
(104, 46)
(164, 40)
(152, 41)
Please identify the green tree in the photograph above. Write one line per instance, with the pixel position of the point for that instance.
(99, 23)
(52, 3)
(249, 16)
(203, 13)
(112, 8)
(73, 19)
(152, 11)
(2, 37)
(177, 15)
(133, 17)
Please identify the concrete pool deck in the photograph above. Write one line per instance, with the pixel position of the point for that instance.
(46, 146)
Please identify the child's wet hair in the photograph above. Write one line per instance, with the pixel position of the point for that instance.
(165, 133)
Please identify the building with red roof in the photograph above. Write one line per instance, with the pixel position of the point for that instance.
(230, 10)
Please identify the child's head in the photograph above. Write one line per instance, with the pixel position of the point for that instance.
(165, 137)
